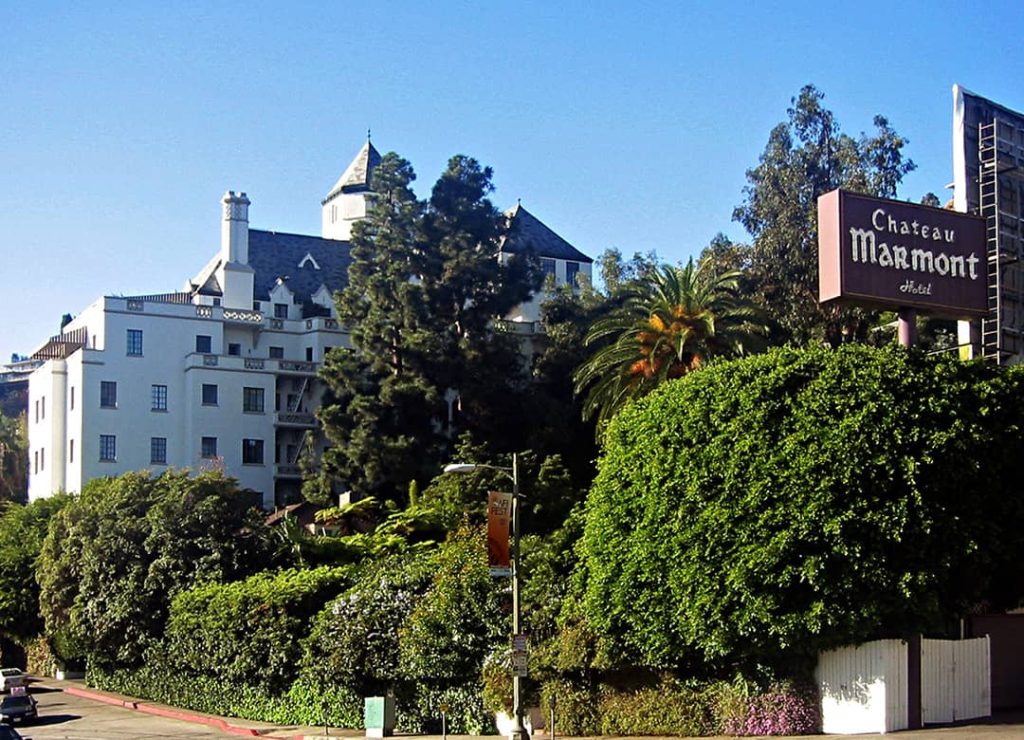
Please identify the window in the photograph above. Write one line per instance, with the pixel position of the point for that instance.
(108, 394)
(158, 450)
(252, 400)
(216, 301)
(35, 462)
(208, 447)
(548, 266)
(135, 342)
(309, 354)
(252, 451)
(204, 344)
(108, 448)
(72, 398)
(71, 450)
(37, 412)
(42, 458)
(234, 349)
(280, 310)
(276, 353)
(42, 407)
(158, 398)
(209, 394)
(572, 270)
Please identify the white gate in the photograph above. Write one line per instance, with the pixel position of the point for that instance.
(863, 688)
(956, 680)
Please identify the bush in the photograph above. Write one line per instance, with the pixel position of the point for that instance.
(22, 531)
(666, 709)
(783, 709)
(248, 633)
(767, 508)
(116, 555)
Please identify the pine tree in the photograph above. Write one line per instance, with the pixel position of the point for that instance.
(427, 359)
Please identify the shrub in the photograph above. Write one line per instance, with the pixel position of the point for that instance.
(116, 555)
(248, 633)
(783, 709)
(770, 507)
(666, 709)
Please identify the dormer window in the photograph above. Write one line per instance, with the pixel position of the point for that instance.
(308, 259)
(548, 266)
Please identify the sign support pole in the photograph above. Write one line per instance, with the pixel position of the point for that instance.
(907, 330)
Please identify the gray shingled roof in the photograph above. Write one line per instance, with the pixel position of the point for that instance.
(273, 255)
(527, 231)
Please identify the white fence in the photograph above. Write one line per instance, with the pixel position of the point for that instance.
(871, 687)
(864, 688)
(955, 680)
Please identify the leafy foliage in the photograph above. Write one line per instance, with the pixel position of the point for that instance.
(248, 632)
(116, 555)
(424, 288)
(13, 458)
(22, 531)
(805, 157)
(804, 499)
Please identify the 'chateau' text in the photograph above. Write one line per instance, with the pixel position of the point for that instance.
(866, 248)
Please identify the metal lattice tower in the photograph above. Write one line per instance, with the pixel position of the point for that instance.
(1001, 196)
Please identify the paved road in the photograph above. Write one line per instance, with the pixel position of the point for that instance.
(66, 717)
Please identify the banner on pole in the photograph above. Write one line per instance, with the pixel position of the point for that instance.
(499, 520)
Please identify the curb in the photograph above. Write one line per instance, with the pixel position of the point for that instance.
(220, 724)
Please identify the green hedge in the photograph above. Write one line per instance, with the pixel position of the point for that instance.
(670, 707)
(763, 509)
(249, 632)
(235, 649)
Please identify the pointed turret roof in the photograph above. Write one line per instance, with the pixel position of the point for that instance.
(356, 177)
(526, 231)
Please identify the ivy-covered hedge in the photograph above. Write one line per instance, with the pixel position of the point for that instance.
(802, 499)
(306, 646)
(248, 632)
(233, 648)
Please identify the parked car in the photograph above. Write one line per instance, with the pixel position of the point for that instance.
(11, 677)
(18, 709)
(9, 733)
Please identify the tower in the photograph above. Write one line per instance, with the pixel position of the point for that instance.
(346, 202)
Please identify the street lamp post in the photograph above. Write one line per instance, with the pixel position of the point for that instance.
(519, 731)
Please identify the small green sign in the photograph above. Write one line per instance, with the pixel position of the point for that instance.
(373, 713)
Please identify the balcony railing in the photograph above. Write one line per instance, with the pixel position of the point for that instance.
(295, 419)
(292, 366)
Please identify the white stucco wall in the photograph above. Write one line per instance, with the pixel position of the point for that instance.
(169, 359)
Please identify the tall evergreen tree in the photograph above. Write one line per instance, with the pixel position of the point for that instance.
(427, 361)
(805, 157)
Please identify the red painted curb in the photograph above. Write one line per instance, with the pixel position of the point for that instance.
(167, 712)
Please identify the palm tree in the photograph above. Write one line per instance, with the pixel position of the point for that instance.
(665, 328)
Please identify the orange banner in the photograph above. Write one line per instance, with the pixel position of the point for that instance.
(499, 520)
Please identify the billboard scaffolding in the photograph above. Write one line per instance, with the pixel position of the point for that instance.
(988, 167)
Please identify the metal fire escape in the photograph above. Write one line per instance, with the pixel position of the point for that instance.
(1001, 187)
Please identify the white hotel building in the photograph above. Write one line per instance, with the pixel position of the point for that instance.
(223, 373)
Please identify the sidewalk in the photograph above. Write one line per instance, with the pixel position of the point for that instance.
(1001, 727)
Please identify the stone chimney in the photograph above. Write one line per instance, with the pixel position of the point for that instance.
(234, 229)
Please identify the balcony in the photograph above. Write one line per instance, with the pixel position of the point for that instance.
(295, 419)
(288, 471)
(227, 362)
(296, 368)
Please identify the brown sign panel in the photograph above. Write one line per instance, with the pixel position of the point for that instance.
(892, 254)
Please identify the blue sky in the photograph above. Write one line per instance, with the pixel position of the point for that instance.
(624, 125)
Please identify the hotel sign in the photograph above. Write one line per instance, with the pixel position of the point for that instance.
(891, 254)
